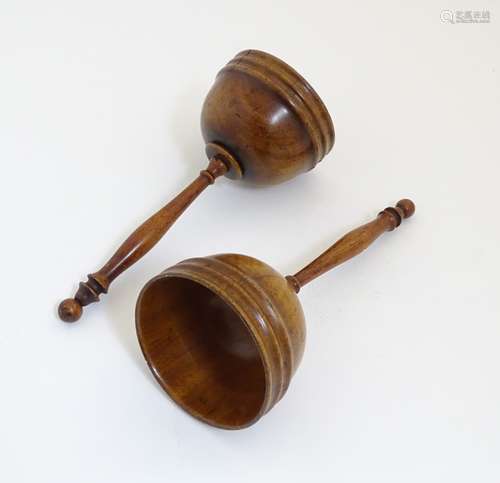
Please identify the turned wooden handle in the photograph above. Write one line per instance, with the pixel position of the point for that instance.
(138, 243)
(353, 243)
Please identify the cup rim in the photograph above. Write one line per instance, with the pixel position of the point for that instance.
(294, 89)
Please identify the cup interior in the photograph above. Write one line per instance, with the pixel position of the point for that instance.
(201, 352)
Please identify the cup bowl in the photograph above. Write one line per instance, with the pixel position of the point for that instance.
(268, 117)
(223, 336)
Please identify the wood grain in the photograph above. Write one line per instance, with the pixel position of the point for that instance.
(138, 243)
(353, 243)
(224, 335)
(261, 122)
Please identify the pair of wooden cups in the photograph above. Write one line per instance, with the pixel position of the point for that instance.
(224, 334)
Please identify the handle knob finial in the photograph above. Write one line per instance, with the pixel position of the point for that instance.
(396, 214)
(407, 207)
(70, 310)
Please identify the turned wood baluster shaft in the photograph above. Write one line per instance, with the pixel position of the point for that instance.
(353, 243)
(138, 243)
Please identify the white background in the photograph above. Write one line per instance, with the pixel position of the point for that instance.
(99, 126)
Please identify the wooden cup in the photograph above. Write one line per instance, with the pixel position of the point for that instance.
(224, 334)
(261, 122)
